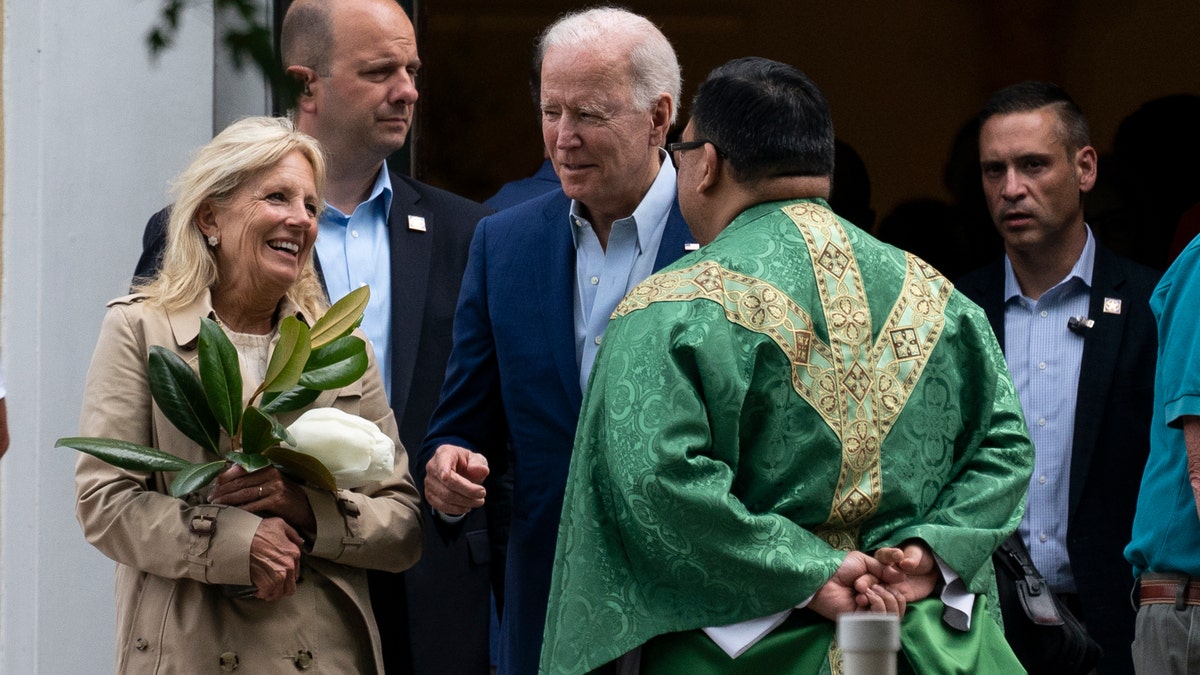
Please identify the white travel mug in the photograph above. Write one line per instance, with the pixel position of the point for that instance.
(869, 643)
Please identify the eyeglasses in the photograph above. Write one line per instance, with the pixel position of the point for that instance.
(673, 148)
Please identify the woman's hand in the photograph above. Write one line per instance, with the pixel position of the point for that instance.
(274, 559)
(265, 492)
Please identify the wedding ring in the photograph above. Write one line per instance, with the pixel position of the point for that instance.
(260, 492)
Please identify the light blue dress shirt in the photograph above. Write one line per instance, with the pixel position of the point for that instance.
(354, 251)
(1044, 358)
(602, 278)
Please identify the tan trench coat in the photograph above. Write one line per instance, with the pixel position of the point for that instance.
(174, 555)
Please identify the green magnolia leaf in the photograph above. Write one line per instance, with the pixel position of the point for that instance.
(295, 398)
(251, 462)
(335, 365)
(195, 476)
(221, 375)
(342, 318)
(261, 431)
(124, 455)
(177, 390)
(288, 359)
(302, 466)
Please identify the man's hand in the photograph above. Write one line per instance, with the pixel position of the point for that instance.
(840, 594)
(274, 559)
(454, 480)
(911, 572)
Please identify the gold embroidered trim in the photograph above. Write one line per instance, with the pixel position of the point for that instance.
(858, 386)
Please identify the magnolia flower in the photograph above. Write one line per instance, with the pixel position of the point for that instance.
(354, 450)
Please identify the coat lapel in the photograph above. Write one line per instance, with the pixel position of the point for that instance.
(1100, 347)
(555, 279)
(675, 239)
(411, 256)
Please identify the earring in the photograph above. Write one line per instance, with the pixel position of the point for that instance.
(213, 241)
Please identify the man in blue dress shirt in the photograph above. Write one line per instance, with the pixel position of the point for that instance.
(1074, 321)
(542, 280)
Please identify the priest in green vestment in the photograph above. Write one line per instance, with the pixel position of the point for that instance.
(794, 421)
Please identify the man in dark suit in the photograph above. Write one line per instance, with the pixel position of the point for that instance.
(1077, 332)
(542, 280)
(356, 62)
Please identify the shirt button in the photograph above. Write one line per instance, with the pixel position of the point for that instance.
(595, 280)
(303, 660)
(1042, 480)
(598, 338)
(1042, 422)
(1044, 313)
(354, 233)
(1042, 365)
(229, 662)
(1044, 537)
(140, 644)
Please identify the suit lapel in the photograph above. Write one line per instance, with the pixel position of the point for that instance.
(675, 237)
(555, 279)
(992, 302)
(410, 260)
(1100, 348)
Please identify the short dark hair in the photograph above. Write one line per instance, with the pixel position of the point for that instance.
(306, 37)
(768, 118)
(1033, 95)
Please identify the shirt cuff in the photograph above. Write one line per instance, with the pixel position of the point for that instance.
(958, 601)
(448, 519)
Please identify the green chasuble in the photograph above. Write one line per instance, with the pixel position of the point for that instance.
(791, 391)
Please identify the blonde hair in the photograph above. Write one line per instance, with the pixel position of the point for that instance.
(242, 150)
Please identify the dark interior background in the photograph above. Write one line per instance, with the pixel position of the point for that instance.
(902, 78)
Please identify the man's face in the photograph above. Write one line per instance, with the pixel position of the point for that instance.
(604, 149)
(689, 168)
(1032, 184)
(364, 106)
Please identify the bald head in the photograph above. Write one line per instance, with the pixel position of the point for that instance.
(310, 28)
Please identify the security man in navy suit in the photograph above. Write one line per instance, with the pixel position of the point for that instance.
(1074, 321)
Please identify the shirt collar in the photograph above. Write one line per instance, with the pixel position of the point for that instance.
(650, 212)
(382, 189)
(1082, 269)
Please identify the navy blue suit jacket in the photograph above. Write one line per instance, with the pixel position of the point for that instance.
(524, 189)
(512, 384)
(1111, 442)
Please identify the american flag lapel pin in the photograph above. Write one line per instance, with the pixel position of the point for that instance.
(1112, 305)
(416, 223)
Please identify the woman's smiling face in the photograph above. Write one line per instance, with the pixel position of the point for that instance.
(266, 230)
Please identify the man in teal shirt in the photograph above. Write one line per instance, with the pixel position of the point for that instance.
(1165, 551)
(793, 422)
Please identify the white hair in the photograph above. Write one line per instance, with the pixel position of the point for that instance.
(655, 66)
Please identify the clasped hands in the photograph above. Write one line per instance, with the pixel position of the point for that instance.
(277, 544)
(884, 583)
